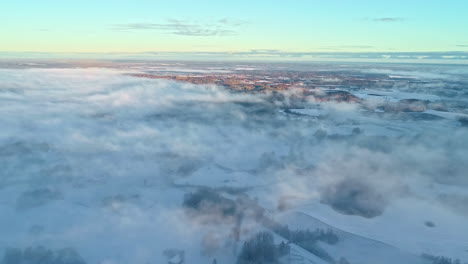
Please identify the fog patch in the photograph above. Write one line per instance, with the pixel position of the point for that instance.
(37, 197)
(41, 255)
(355, 197)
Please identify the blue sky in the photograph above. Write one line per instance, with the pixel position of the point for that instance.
(294, 26)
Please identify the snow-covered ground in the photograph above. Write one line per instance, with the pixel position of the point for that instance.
(353, 247)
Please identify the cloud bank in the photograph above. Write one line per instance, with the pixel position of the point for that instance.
(336, 53)
(99, 161)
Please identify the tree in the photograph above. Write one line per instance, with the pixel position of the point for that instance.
(259, 250)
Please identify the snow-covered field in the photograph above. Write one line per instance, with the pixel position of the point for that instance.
(99, 161)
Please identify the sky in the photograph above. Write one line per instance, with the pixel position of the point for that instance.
(266, 27)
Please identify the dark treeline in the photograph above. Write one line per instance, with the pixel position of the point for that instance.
(300, 236)
(441, 259)
(306, 239)
(207, 201)
(41, 255)
(212, 206)
(261, 249)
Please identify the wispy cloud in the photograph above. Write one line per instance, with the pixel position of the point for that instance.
(388, 19)
(347, 47)
(222, 27)
(265, 51)
(232, 22)
(461, 56)
(463, 46)
(273, 53)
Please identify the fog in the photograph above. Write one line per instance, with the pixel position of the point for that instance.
(99, 161)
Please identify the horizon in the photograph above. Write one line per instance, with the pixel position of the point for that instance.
(449, 58)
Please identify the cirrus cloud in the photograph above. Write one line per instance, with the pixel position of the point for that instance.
(222, 27)
(388, 19)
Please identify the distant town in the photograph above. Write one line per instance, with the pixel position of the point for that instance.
(262, 81)
(322, 85)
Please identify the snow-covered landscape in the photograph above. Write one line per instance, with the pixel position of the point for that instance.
(101, 167)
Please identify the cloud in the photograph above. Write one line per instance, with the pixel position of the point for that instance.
(463, 46)
(265, 51)
(347, 47)
(222, 27)
(275, 53)
(113, 144)
(388, 19)
(271, 54)
(232, 22)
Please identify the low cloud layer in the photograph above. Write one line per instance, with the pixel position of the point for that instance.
(332, 53)
(95, 159)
